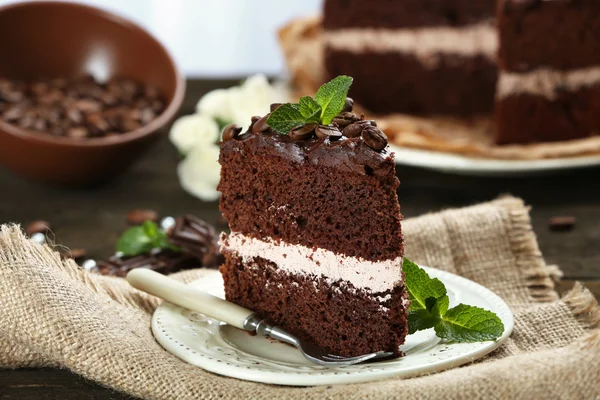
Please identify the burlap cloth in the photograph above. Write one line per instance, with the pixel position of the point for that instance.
(302, 45)
(56, 314)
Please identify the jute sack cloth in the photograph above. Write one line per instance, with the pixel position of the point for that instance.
(56, 314)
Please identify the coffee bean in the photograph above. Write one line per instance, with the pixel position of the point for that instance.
(77, 133)
(303, 132)
(328, 132)
(348, 105)
(75, 253)
(344, 119)
(231, 132)
(275, 106)
(139, 216)
(367, 122)
(353, 130)
(37, 227)
(261, 125)
(374, 137)
(71, 107)
(562, 223)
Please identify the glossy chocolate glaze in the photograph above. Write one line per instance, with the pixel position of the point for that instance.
(345, 154)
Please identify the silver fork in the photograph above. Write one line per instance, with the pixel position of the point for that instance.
(196, 300)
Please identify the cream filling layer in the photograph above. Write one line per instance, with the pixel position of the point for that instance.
(375, 277)
(471, 40)
(546, 82)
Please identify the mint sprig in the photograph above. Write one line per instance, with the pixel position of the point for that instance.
(429, 309)
(142, 239)
(322, 109)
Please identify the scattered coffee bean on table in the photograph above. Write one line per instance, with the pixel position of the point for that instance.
(79, 108)
(562, 223)
(37, 227)
(139, 216)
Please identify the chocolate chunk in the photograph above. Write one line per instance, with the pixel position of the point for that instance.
(374, 137)
(328, 132)
(231, 132)
(37, 227)
(261, 125)
(348, 105)
(197, 238)
(75, 254)
(139, 216)
(562, 223)
(303, 132)
(275, 106)
(353, 130)
(165, 262)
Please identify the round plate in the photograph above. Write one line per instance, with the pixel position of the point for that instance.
(229, 351)
(464, 165)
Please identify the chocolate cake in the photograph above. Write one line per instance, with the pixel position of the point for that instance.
(316, 244)
(549, 57)
(424, 57)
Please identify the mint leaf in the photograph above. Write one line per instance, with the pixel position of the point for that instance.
(310, 109)
(465, 323)
(332, 96)
(142, 239)
(424, 318)
(134, 241)
(285, 118)
(420, 287)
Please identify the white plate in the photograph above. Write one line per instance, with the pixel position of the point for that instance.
(464, 165)
(229, 351)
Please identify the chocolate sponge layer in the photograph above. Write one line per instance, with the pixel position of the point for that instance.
(334, 316)
(339, 197)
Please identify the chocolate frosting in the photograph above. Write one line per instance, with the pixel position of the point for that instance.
(345, 154)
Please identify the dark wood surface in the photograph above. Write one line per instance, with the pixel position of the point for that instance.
(92, 218)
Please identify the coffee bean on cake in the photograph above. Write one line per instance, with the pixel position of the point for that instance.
(79, 108)
(353, 130)
(374, 138)
(231, 132)
(328, 132)
(261, 125)
(303, 132)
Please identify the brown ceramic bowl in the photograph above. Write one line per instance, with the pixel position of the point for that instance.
(55, 39)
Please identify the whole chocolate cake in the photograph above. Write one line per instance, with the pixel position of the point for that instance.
(316, 244)
(427, 57)
(549, 85)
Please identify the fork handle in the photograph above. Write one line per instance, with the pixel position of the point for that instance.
(189, 297)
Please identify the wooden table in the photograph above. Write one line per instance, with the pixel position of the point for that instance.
(94, 217)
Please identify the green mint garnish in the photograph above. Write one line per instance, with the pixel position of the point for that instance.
(310, 109)
(332, 96)
(429, 309)
(285, 118)
(327, 104)
(142, 239)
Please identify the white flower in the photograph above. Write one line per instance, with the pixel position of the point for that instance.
(239, 103)
(191, 131)
(200, 171)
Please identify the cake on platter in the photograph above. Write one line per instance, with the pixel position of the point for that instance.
(416, 56)
(421, 73)
(549, 56)
(316, 246)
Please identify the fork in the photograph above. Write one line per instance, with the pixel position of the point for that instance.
(193, 299)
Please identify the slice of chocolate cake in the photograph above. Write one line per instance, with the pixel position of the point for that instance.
(428, 57)
(549, 84)
(315, 244)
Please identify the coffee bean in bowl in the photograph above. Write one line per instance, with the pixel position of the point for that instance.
(79, 108)
(57, 124)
